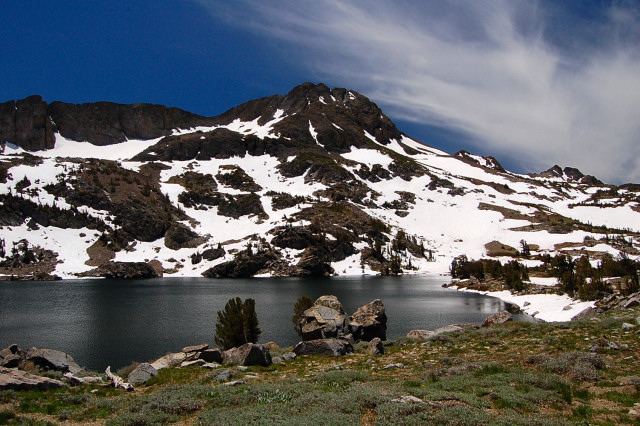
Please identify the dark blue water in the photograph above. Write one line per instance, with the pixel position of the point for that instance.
(110, 322)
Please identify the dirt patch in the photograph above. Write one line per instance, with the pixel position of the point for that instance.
(496, 248)
(99, 254)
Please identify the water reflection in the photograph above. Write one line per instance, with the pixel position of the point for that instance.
(102, 322)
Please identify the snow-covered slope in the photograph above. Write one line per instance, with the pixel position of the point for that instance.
(315, 182)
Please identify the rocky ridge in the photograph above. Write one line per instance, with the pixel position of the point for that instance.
(312, 183)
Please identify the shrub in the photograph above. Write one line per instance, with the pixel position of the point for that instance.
(237, 324)
(303, 303)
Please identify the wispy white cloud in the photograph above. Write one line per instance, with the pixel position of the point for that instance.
(519, 79)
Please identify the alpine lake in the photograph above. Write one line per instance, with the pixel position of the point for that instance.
(101, 322)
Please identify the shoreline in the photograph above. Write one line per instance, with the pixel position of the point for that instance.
(545, 307)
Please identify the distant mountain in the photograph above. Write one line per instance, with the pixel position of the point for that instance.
(315, 182)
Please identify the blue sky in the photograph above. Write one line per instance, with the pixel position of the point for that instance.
(532, 83)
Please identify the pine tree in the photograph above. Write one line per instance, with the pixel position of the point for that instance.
(303, 303)
(237, 324)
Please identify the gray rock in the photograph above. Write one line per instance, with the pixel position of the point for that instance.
(408, 399)
(195, 348)
(369, 321)
(234, 383)
(193, 362)
(241, 368)
(211, 355)
(10, 361)
(289, 356)
(392, 366)
(421, 334)
(638, 320)
(375, 347)
(335, 347)
(497, 318)
(277, 360)
(325, 319)
(223, 375)
(634, 301)
(49, 359)
(629, 380)
(10, 352)
(169, 360)
(247, 354)
(211, 365)
(627, 326)
(142, 373)
(11, 378)
(429, 334)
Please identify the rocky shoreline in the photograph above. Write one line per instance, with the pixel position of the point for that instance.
(325, 329)
(543, 302)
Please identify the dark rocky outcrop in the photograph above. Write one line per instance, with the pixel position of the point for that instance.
(243, 266)
(26, 123)
(179, 236)
(314, 262)
(106, 123)
(126, 270)
(369, 322)
(213, 253)
(333, 347)
(295, 237)
(31, 123)
(247, 354)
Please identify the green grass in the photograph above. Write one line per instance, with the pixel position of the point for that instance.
(512, 374)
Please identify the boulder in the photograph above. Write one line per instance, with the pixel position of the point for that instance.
(497, 318)
(369, 322)
(334, 347)
(429, 334)
(169, 360)
(10, 357)
(142, 373)
(325, 319)
(211, 355)
(289, 356)
(375, 347)
(49, 359)
(193, 362)
(11, 361)
(223, 375)
(247, 354)
(11, 378)
(195, 348)
(421, 334)
(632, 302)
